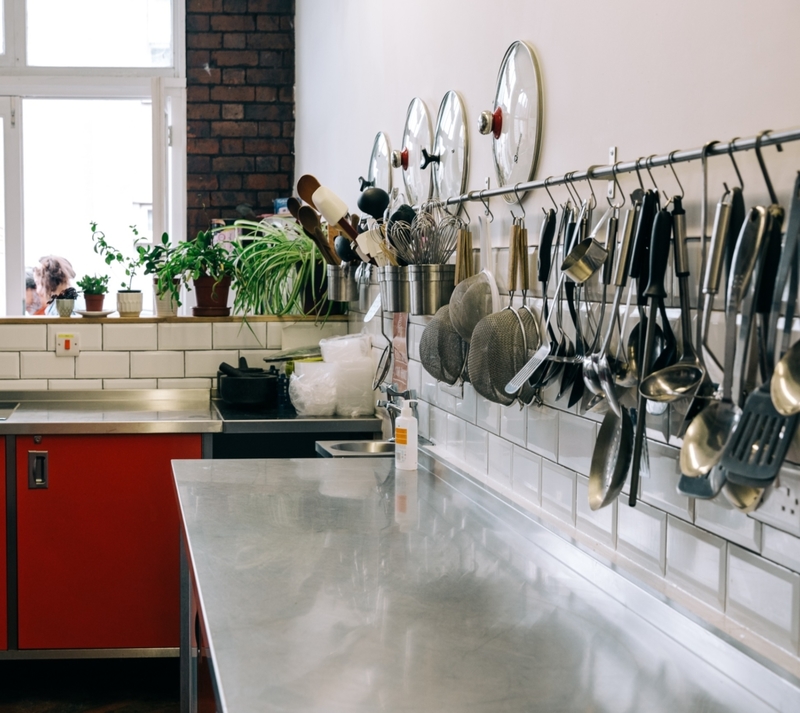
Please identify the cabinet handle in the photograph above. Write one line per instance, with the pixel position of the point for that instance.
(37, 470)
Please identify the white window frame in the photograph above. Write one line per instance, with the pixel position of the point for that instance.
(165, 87)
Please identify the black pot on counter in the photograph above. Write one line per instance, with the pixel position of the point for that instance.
(247, 386)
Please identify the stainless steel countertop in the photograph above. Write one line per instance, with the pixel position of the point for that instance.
(123, 411)
(336, 585)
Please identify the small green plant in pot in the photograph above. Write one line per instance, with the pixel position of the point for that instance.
(153, 257)
(280, 271)
(205, 263)
(94, 288)
(65, 301)
(129, 301)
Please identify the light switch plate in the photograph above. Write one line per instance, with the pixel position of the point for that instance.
(67, 345)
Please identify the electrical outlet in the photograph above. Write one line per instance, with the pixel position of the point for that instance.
(67, 345)
(781, 506)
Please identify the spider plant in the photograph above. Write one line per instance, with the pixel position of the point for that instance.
(279, 271)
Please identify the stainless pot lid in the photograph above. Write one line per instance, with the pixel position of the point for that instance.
(379, 174)
(515, 123)
(417, 135)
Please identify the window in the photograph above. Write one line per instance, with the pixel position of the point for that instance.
(92, 108)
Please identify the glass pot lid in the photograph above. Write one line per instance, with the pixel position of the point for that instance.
(416, 136)
(516, 120)
(380, 170)
(450, 157)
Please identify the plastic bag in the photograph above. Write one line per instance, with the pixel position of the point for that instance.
(354, 394)
(312, 388)
(346, 348)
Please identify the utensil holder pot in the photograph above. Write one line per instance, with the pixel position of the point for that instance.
(430, 287)
(342, 285)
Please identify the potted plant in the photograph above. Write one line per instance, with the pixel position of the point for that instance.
(280, 271)
(65, 301)
(94, 290)
(208, 264)
(129, 301)
(153, 258)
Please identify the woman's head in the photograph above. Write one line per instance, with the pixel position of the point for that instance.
(52, 275)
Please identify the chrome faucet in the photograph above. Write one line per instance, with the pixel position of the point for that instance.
(392, 408)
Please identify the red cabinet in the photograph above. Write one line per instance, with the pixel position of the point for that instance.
(98, 545)
(3, 582)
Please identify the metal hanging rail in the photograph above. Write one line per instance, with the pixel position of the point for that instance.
(713, 148)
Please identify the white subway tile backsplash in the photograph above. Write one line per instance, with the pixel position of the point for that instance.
(445, 400)
(558, 491)
(719, 517)
(600, 524)
(206, 363)
(781, 505)
(305, 334)
(476, 447)
(456, 436)
(696, 561)
(130, 384)
(74, 384)
(414, 335)
(514, 423)
(430, 387)
(9, 365)
(129, 337)
(642, 535)
(158, 364)
(238, 335)
(46, 365)
(467, 405)
(764, 596)
(102, 365)
(438, 426)
(23, 385)
(184, 383)
(275, 335)
(526, 474)
(576, 439)
(487, 414)
(414, 376)
(19, 337)
(90, 336)
(661, 488)
(543, 431)
(500, 463)
(255, 358)
(423, 419)
(781, 547)
(186, 336)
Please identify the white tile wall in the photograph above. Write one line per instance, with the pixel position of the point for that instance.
(275, 335)
(46, 365)
(102, 365)
(642, 535)
(765, 596)
(543, 431)
(24, 385)
(600, 524)
(74, 384)
(130, 384)
(526, 469)
(466, 407)
(130, 337)
(487, 414)
(423, 418)
(255, 357)
(722, 519)
(500, 463)
(514, 424)
(558, 491)
(476, 447)
(302, 335)
(90, 336)
(207, 363)
(696, 561)
(456, 436)
(9, 365)
(438, 426)
(157, 364)
(19, 337)
(185, 383)
(232, 335)
(185, 336)
(660, 489)
(780, 547)
(576, 438)
(781, 504)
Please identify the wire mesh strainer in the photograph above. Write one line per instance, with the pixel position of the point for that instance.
(442, 351)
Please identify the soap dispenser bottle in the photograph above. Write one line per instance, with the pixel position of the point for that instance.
(405, 438)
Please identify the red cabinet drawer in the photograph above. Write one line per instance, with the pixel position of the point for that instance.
(98, 547)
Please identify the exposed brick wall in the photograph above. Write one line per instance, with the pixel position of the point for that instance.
(240, 106)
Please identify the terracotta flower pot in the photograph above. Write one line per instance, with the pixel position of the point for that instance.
(212, 297)
(94, 303)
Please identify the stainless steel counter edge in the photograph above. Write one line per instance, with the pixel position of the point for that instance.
(775, 686)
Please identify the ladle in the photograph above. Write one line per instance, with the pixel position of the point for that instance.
(707, 434)
(684, 377)
(611, 458)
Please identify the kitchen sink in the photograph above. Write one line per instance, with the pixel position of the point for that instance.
(350, 449)
(6, 409)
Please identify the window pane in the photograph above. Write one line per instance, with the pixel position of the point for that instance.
(87, 160)
(99, 33)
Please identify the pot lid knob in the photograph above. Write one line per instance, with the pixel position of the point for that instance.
(428, 158)
(400, 159)
(491, 122)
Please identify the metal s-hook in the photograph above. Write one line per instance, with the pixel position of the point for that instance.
(772, 196)
(619, 188)
(570, 178)
(555, 205)
(593, 202)
(519, 203)
(463, 206)
(731, 146)
(670, 160)
(647, 164)
(485, 202)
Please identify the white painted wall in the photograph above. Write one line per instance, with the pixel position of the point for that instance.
(646, 77)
